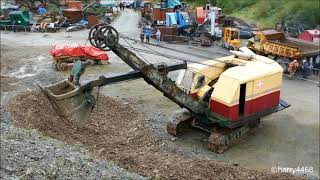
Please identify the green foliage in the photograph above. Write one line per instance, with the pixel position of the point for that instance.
(23, 8)
(53, 8)
(303, 12)
(266, 13)
(195, 3)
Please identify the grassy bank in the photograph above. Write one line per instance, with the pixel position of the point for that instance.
(266, 13)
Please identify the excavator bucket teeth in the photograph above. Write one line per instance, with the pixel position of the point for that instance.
(69, 101)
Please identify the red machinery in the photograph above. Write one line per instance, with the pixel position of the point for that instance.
(200, 15)
(65, 54)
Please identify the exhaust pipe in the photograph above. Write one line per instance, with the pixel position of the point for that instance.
(243, 55)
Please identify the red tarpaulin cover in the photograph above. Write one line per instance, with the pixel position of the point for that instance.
(77, 50)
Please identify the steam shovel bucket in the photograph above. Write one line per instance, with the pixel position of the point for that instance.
(69, 101)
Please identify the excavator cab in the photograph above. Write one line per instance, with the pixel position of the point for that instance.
(255, 42)
(204, 77)
(231, 38)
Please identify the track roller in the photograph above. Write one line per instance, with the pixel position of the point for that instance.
(221, 139)
(180, 123)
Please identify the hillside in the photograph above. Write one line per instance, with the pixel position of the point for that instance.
(297, 14)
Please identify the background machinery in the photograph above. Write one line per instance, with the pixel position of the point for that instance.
(207, 22)
(64, 55)
(277, 44)
(21, 18)
(146, 11)
(231, 38)
(225, 97)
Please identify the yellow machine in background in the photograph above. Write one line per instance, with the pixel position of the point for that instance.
(272, 42)
(231, 38)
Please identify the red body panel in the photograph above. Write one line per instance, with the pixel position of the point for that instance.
(251, 106)
(224, 110)
(264, 102)
(200, 16)
(156, 14)
(305, 36)
(195, 95)
(74, 5)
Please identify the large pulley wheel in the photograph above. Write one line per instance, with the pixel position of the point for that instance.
(106, 37)
(92, 34)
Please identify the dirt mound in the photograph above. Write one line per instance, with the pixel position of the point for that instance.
(116, 132)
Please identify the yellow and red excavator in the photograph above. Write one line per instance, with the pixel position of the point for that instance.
(225, 97)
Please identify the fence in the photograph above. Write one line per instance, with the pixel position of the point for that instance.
(26, 28)
(170, 38)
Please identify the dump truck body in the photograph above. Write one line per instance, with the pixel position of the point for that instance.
(308, 49)
(272, 42)
(280, 50)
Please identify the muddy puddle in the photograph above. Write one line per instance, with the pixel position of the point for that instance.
(7, 83)
(28, 67)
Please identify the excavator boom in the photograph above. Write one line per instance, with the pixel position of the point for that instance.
(70, 100)
(156, 75)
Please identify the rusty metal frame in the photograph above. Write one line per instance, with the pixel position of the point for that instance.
(117, 78)
(160, 81)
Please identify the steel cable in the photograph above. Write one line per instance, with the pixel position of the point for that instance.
(147, 47)
(187, 60)
(134, 48)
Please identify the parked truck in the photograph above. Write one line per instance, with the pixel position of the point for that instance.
(275, 43)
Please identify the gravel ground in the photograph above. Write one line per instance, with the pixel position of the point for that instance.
(26, 154)
(118, 133)
(24, 58)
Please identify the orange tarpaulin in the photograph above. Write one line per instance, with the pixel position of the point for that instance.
(77, 50)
